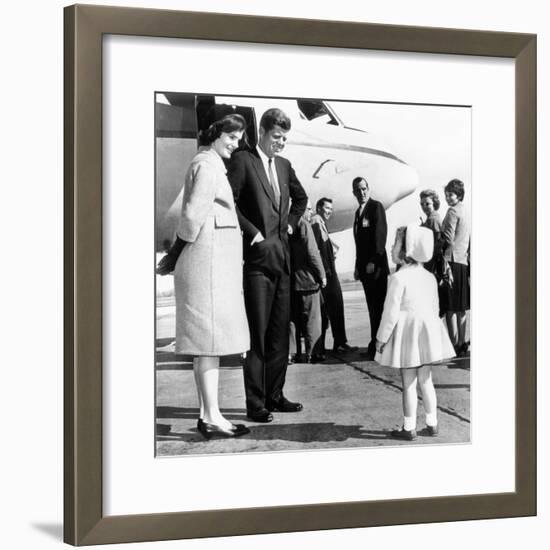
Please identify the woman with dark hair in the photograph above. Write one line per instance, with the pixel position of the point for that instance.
(455, 234)
(210, 315)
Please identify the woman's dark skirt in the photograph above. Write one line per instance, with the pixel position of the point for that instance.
(457, 296)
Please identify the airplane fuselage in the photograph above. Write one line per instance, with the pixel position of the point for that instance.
(325, 157)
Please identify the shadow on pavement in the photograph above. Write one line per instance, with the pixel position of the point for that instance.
(320, 432)
(166, 359)
(457, 363)
(192, 413)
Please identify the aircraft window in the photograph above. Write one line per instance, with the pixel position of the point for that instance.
(316, 111)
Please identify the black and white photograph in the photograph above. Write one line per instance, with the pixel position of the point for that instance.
(280, 275)
(312, 267)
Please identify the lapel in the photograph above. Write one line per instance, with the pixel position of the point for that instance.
(260, 170)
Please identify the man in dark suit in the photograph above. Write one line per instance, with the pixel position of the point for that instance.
(307, 278)
(333, 301)
(370, 231)
(265, 186)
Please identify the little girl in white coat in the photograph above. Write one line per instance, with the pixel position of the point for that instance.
(411, 334)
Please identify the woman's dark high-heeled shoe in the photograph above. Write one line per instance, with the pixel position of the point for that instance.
(212, 430)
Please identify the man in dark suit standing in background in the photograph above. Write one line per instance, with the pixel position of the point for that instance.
(333, 301)
(265, 186)
(370, 231)
(307, 278)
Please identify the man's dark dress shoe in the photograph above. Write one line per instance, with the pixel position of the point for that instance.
(284, 406)
(212, 430)
(317, 358)
(344, 348)
(260, 415)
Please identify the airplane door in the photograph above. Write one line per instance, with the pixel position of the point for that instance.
(179, 119)
(208, 110)
(175, 146)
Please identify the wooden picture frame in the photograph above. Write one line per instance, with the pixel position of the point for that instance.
(85, 26)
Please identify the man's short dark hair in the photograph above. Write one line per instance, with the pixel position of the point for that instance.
(275, 117)
(356, 181)
(321, 202)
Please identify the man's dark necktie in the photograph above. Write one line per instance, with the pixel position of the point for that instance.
(356, 222)
(273, 183)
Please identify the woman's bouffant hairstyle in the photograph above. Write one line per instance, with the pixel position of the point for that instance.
(431, 194)
(401, 234)
(456, 187)
(275, 117)
(227, 124)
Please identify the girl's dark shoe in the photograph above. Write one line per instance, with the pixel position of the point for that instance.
(407, 435)
(432, 430)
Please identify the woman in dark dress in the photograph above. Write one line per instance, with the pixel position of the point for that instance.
(429, 202)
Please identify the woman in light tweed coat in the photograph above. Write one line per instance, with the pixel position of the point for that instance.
(210, 314)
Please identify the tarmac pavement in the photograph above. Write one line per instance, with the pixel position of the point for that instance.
(348, 402)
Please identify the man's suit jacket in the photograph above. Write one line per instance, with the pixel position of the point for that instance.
(258, 211)
(370, 230)
(325, 245)
(307, 266)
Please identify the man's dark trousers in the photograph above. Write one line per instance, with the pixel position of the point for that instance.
(375, 287)
(267, 301)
